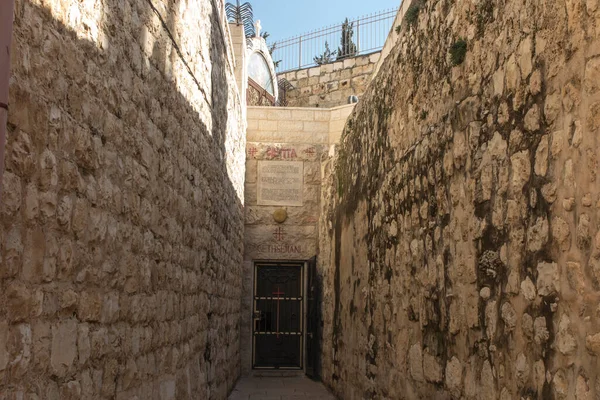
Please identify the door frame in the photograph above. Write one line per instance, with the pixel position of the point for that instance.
(313, 316)
(303, 264)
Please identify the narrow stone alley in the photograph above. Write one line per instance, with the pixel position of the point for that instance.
(189, 211)
(279, 388)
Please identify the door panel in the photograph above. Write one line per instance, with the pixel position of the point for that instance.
(274, 353)
(278, 316)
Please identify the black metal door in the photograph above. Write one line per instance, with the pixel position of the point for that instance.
(312, 320)
(278, 316)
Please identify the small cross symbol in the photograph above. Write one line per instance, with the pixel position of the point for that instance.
(278, 293)
(310, 151)
(272, 152)
(252, 152)
(279, 234)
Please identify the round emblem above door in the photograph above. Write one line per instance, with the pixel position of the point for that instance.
(280, 215)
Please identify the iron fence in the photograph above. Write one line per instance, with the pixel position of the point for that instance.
(351, 38)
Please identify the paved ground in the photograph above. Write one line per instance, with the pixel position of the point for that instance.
(280, 388)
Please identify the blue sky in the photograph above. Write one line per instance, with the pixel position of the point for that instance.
(284, 18)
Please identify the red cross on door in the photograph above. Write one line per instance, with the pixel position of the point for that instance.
(278, 293)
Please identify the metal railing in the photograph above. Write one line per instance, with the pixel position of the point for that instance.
(361, 36)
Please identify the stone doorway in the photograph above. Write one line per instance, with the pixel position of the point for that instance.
(279, 316)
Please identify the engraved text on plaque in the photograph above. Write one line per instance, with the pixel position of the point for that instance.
(280, 183)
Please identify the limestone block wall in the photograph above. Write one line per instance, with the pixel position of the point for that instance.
(464, 208)
(393, 36)
(298, 135)
(238, 45)
(330, 85)
(121, 223)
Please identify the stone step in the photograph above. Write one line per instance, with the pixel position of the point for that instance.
(278, 373)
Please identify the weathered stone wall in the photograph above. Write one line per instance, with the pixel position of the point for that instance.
(330, 85)
(393, 36)
(289, 135)
(464, 211)
(121, 224)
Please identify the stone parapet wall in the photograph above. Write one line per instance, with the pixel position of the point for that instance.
(460, 232)
(121, 223)
(330, 85)
(393, 36)
(296, 124)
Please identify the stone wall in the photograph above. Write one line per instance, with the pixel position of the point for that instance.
(121, 223)
(330, 85)
(393, 36)
(464, 210)
(302, 136)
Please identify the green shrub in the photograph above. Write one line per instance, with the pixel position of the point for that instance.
(412, 14)
(458, 52)
(485, 15)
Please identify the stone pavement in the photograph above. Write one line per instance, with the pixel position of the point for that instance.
(279, 388)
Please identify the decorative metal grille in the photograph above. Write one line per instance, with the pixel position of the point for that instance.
(368, 34)
(257, 96)
(284, 87)
(278, 316)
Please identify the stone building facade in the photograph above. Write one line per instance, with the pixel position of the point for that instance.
(280, 137)
(460, 248)
(121, 224)
(330, 85)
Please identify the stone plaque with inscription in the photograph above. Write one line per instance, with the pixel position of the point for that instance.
(280, 183)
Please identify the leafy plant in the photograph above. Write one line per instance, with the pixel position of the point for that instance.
(348, 47)
(241, 14)
(485, 15)
(458, 52)
(398, 29)
(271, 50)
(412, 14)
(327, 56)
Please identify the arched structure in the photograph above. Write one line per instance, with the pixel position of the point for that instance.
(262, 80)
